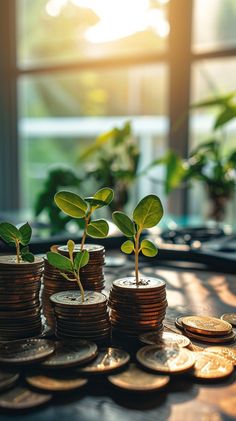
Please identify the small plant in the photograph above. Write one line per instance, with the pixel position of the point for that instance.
(76, 207)
(70, 265)
(147, 214)
(18, 237)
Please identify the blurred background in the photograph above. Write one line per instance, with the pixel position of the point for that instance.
(135, 94)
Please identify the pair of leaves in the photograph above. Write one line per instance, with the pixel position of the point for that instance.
(64, 264)
(11, 234)
(147, 214)
(147, 248)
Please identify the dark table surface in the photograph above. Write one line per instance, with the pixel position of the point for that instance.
(189, 291)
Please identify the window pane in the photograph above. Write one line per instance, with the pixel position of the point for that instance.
(61, 113)
(52, 31)
(211, 78)
(214, 24)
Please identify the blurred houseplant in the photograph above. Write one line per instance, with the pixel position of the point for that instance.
(209, 162)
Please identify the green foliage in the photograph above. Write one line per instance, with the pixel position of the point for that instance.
(71, 265)
(18, 237)
(75, 206)
(115, 156)
(147, 214)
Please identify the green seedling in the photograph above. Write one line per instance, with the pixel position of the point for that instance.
(71, 264)
(19, 238)
(147, 214)
(77, 207)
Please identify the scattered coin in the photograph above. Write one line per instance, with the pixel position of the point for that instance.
(138, 380)
(72, 353)
(25, 351)
(229, 337)
(223, 351)
(165, 339)
(211, 366)
(107, 360)
(7, 379)
(22, 398)
(166, 359)
(56, 384)
(206, 325)
(230, 318)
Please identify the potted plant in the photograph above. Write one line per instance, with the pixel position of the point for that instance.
(92, 275)
(20, 277)
(137, 303)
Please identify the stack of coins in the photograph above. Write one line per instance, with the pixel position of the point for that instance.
(137, 309)
(207, 329)
(20, 312)
(92, 277)
(77, 319)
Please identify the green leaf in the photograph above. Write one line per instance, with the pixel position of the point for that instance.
(124, 223)
(71, 247)
(127, 247)
(148, 248)
(98, 228)
(105, 195)
(81, 259)
(26, 232)
(9, 233)
(229, 113)
(220, 100)
(27, 257)
(148, 212)
(60, 262)
(71, 204)
(95, 202)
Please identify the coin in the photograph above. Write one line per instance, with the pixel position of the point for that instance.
(73, 298)
(166, 359)
(230, 318)
(165, 339)
(56, 384)
(138, 380)
(223, 351)
(129, 282)
(229, 337)
(178, 322)
(22, 398)
(107, 360)
(25, 351)
(7, 379)
(206, 325)
(69, 354)
(211, 366)
(10, 260)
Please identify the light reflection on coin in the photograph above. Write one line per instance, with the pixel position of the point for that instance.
(22, 398)
(72, 353)
(230, 318)
(223, 351)
(25, 351)
(138, 380)
(56, 384)
(206, 325)
(229, 337)
(7, 379)
(165, 339)
(211, 366)
(166, 359)
(107, 360)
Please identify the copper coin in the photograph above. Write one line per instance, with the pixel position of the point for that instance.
(206, 325)
(56, 384)
(229, 337)
(166, 359)
(22, 398)
(25, 351)
(138, 380)
(107, 360)
(223, 351)
(211, 366)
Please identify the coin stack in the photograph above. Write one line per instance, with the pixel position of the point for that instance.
(92, 277)
(82, 320)
(20, 312)
(137, 309)
(207, 329)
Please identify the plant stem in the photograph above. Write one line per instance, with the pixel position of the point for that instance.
(17, 251)
(80, 286)
(87, 219)
(136, 251)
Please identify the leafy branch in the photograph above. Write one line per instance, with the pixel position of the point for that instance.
(77, 207)
(18, 237)
(147, 214)
(71, 265)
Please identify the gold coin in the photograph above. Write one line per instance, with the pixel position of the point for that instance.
(138, 380)
(55, 384)
(211, 366)
(229, 337)
(166, 359)
(165, 339)
(223, 351)
(230, 318)
(206, 325)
